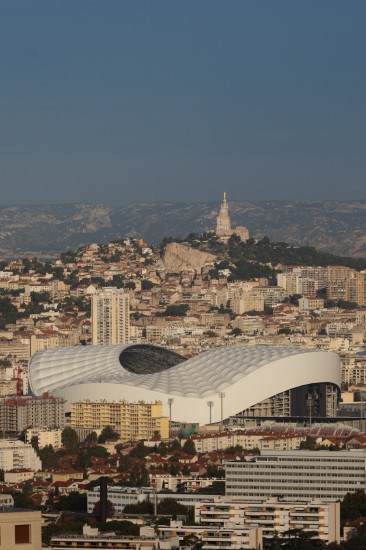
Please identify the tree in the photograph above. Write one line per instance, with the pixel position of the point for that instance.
(353, 506)
(176, 445)
(176, 310)
(91, 438)
(144, 507)
(140, 451)
(38, 297)
(162, 449)
(124, 463)
(146, 285)
(131, 285)
(210, 334)
(98, 451)
(192, 541)
(83, 460)
(309, 444)
(236, 332)
(8, 312)
(22, 500)
(108, 433)
(69, 439)
(294, 299)
(74, 502)
(139, 476)
(170, 507)
(48, 457)
(189, 447)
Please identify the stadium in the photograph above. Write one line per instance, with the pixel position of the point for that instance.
(220, 383)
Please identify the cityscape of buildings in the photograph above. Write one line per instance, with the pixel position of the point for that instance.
(240, 388)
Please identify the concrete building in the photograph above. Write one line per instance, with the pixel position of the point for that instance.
(310, 304)
(272, 295)
(18, 476)
(249, 325)
(337, 282)
(212, 537)
(297, 474)
(20, 530)
(249, 440)
(272, 516)
(45, 437)
(110, 316)
(121, 496)
(16, 455)
(92, 538)
(6, 501)
(246, 300)
(19, 413)
(131, 420)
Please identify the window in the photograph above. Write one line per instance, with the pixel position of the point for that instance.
(22, 534)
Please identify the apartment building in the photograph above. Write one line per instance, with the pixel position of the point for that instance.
(16, 455)
(272, 295)
(93, 538)
(110, 316)
(45, 437)
(297, 474)
(337, 282)
(246, 300)
(131, 420)
(248, 440)
(211, 537)
(272, 516)
(121, 496)
(19, 413)
(310, 304)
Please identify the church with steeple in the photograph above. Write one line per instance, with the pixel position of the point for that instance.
(223, 225)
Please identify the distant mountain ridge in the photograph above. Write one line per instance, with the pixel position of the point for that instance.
(47, 230)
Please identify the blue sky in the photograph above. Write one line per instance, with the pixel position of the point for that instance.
(118, 102)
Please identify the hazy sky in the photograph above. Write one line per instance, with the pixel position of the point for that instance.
(120, 101)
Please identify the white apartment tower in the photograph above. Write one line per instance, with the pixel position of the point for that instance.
(110, 316)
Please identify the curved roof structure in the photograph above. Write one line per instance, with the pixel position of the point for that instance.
(247, 375)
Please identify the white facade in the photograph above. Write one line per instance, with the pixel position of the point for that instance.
(273, 516)
(6, 501)
(309, 304)
(223, 538)
(236, 377)
(45, 437)
(207, 443)
(110, 316)
(121, 496)
(15, 454)
(297, 474)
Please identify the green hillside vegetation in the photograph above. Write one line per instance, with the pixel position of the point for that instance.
(262, 258)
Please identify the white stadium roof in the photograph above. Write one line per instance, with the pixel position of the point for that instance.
(247, 375)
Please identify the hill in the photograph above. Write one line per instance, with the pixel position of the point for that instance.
(46, 230)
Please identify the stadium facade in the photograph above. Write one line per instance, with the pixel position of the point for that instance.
(217, 384)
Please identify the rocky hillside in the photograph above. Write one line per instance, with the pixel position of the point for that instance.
(46, 230)
(179, 257)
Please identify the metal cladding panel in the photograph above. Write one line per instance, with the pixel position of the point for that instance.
(247, 375)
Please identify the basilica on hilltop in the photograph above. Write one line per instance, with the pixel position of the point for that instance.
(223, 225)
